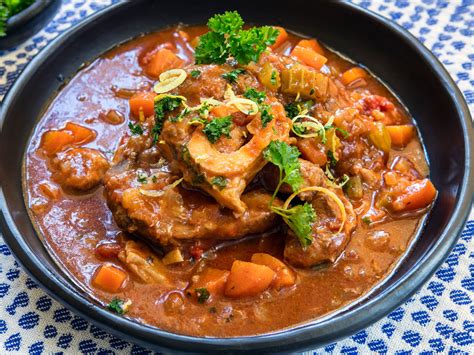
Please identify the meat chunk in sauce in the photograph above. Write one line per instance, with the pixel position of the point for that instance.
(79, 169)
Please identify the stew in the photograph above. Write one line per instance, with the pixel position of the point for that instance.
(226, 180)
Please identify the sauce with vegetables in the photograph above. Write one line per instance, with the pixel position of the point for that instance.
(226, 180)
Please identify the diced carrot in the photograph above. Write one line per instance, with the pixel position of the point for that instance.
(417, 194)
(109, 278)
(213, 280)
(144, 101)
(352, 75)
(401, 135)
(284, 275)
(184, 35)
(248, 279)
(282, 37)
(161, 61)
(81, 134)
(311, 44)
(194, 42)
(309, 57)
(53, 142)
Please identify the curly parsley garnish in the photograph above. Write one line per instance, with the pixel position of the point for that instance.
(255, 95)
(166, 104)
(226, 38)
(219, 181)
(217, 127)
(119, 306)
(195, 73)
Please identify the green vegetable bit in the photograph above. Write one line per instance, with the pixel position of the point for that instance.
(135, 129)
(254, 95)
(231, 76)
(299, 219)
(195, 73)
(285, 157)
(202, 294)
(166, 104)
(219, 181)
(117, 305)
(226, 38)
(142, 178)
(218, 127)
(265, 114)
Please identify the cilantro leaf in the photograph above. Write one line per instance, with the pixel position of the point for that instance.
(219, 181)
(299, 219)
(254, 95)
(231, 76)
(285, 157)
(135, 129)
(202, 294)
(217, 127)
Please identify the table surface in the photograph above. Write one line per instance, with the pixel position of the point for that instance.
(439, 318)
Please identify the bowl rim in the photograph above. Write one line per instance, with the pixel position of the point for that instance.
(27, 14)
(302, 336)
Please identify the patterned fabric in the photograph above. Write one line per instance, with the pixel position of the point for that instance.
(439, 318)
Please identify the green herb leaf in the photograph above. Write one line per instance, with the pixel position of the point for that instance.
(166, 104)
(254, 95)
(273, 78)
(135, 129)
(195, 73)
(3, 19)
(202, 294)
(219, 181)
(294, 109)
(285, 157)
(226, 38)
(142, 177)
(217, 127)
(231, 76)
(299, 219)
(367, 220)
(117, 305)
(332, 161)
(265, 114)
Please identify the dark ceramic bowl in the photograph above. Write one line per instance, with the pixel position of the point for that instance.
(390, 52)
(28, 22)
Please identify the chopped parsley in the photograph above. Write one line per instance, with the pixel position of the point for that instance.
(227, 38)
(367, 220)
(294, 109)
(118, 306)
(332, 161)
(285, 157)
(231, 76)
(195, 73)
(219, 181)
(135, 129)
(202, 294)
(217, 127)
(166, 104)
(142, 178)
(258, 97)
(299, 219)
(273, 78)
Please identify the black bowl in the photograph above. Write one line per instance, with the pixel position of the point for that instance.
(28, 22)
(389, 51)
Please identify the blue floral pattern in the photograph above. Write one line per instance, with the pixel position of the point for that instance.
(439, 318)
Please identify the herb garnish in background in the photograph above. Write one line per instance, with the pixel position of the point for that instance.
(9, 8)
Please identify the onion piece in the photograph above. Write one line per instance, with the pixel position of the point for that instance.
(314, 124)
(170, 80)
(159, 193)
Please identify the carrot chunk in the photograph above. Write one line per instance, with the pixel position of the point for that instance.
(282, 37)
(401, 135)
(248, 279)
(144, 101)
(284, 275)
(81, 134)
(53, 142)
(211, 279)
(309, 57)
(109, 278)
(416, 195)
(353, 74)
(161, 61)
(311, 44)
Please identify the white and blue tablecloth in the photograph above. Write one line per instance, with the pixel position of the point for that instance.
(439, 318)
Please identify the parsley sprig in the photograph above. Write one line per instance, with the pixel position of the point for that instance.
(226, 38)
(217, 127)
(163, 105)
(299, 219)
(258, 97)
(232, 76)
